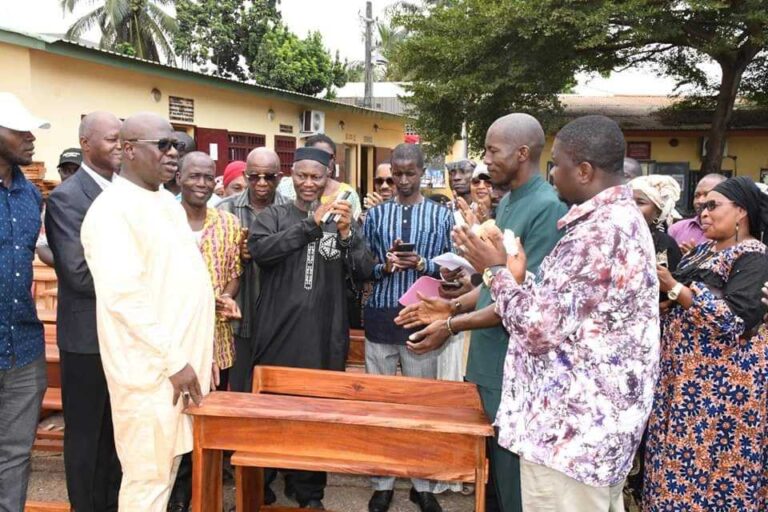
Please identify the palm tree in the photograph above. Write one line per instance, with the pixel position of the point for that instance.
(136, 27)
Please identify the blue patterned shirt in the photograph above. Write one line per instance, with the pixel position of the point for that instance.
(428, 226)
(21, 333)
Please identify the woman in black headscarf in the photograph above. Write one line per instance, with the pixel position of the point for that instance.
(706, 435)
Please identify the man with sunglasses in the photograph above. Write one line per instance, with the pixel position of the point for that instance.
(262, 172)
(383, 186)
(305, 259)
(155, 312)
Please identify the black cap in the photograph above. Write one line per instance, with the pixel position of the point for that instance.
(71, 156)
(318, 155)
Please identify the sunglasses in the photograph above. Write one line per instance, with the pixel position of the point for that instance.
(381, 181)
(164, 144)
(712, 205)
(254, 178)
(476, 181)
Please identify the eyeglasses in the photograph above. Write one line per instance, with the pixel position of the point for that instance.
(712, 205)
(381, 181)
(164, 144)
(476, 181)
(255, 178)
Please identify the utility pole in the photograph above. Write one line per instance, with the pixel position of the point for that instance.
(368, 97)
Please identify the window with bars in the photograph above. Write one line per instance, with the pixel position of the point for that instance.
(285, 147)
(240, 144)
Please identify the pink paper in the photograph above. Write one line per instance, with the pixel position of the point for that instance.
(427, 286)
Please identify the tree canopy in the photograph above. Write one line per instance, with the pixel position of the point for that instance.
(139, 28)
(246, 40)
(474, 60)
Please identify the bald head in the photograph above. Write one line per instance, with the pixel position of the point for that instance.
(96, 121)
(513, 147)
(704, 187)
(146, 162)
(195, 159)
(144, 124)
(263, 159)
(100, 142)
(521, 130)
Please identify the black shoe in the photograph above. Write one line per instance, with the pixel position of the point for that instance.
(425, 500)
(177, 506)
(269, 496)
(380, 501)
(316, 504)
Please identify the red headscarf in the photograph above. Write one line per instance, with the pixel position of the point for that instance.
(232, 171)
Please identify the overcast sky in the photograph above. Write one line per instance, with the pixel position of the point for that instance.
(337, 20)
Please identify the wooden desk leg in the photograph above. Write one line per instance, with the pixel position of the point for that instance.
(249, 489)
(481, 477)
(207, 491)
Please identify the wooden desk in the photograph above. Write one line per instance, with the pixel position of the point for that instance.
(343, 436)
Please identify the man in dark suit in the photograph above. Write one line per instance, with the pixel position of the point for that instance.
(90, 460)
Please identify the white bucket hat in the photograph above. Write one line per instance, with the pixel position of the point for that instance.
(15, 116)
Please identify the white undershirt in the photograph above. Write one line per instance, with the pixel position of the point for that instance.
(100, 180)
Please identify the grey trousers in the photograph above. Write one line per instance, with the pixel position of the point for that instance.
(21, 395)
(382, 359)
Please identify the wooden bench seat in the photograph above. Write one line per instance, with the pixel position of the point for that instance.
(52, 399)
(395, 466)
(41, 506)
(378, 399)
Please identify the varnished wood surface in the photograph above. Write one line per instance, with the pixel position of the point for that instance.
(41, 506)
(294, 408)
(366, 388)
(52, 399)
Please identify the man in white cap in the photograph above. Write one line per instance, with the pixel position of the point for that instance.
(22, 355)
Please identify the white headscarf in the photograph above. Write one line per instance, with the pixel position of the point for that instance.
(662, 191)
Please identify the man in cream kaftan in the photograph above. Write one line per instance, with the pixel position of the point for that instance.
(155, 313)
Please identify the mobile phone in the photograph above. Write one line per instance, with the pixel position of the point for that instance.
(451, 284)
(343, 196)
(404, 247)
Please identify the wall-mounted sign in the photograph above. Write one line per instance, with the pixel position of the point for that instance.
(181, 109)
(639, 150)
(213, 151)
(350, 137)
(286, 128)
(368, 139)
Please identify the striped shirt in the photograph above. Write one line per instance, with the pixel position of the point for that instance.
(428, 226)
(220, 245)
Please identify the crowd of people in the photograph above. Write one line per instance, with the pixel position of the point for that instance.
(614, 346)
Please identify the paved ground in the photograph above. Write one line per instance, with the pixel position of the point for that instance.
(344, 493)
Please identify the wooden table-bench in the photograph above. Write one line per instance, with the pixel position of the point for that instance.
(337, 422)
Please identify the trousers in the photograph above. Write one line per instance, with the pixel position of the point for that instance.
(21, 395)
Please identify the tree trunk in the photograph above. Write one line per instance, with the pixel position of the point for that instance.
(726, 98)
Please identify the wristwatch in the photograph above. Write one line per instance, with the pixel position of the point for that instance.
(421, 265)
(489, 273)
(674, 293)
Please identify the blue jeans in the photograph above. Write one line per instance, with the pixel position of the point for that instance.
(21, 395)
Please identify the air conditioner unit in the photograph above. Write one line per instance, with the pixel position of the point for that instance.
(704, 143)
(313, 121)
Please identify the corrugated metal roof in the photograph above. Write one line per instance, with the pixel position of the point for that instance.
(55, 44)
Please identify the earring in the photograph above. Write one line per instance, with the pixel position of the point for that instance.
(737, 232)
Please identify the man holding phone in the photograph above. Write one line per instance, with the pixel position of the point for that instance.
(404, 234)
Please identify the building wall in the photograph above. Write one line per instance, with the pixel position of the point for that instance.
(61, 89)
(750, 149)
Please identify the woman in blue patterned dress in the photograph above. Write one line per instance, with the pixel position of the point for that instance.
(707, 450)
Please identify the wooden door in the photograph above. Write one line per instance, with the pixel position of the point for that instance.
(215, 142)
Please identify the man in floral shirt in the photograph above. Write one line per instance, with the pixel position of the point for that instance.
(584, 335)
